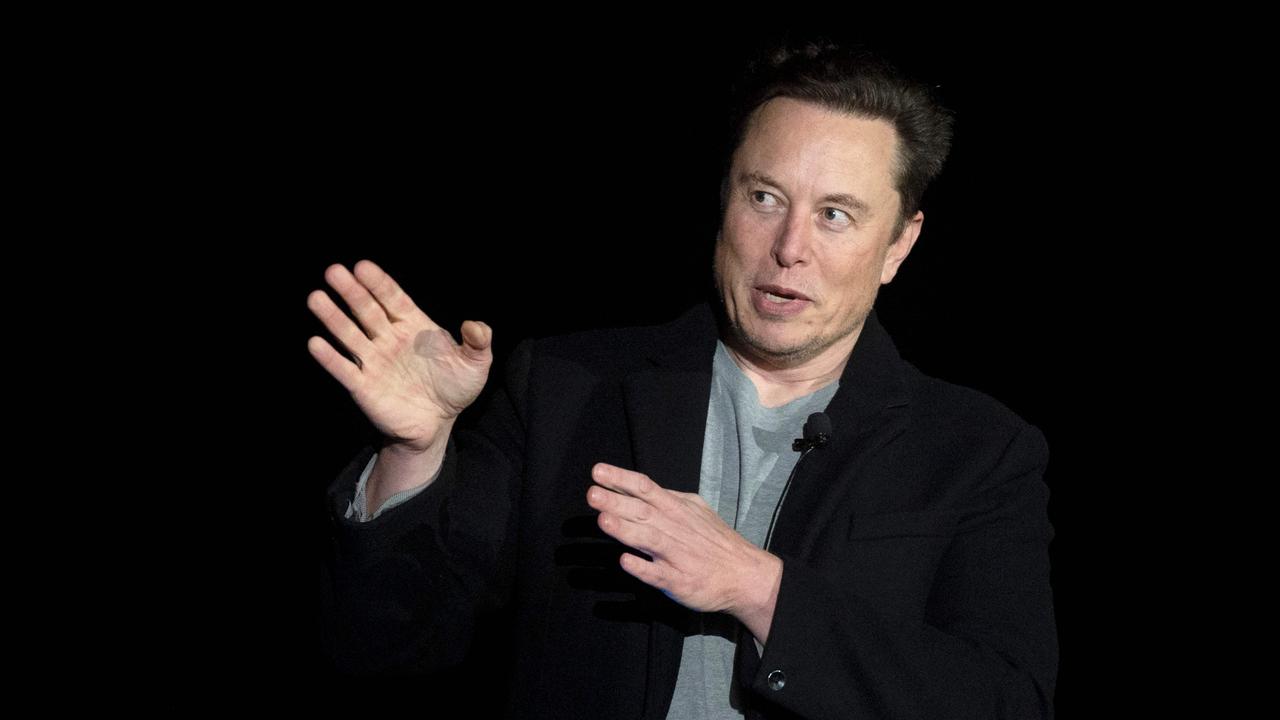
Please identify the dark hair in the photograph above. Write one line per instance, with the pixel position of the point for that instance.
(855, 80)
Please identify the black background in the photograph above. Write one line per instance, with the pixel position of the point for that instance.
(548, 182)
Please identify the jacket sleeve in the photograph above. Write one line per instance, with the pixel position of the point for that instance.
(987, 647)
(401, 592)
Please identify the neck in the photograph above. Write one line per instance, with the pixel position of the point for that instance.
(778, 383)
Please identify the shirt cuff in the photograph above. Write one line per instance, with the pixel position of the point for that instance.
(359, 504)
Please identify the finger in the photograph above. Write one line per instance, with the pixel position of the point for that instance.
(477, 338)
(372, 316)
(645, 538)
(342, 369)
(646, 572)
(395, 302)
(629, 482)
(689, 521)
(351, 337)
(603, 499)
(685, 518)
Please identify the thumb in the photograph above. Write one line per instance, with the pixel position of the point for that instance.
(476, 340)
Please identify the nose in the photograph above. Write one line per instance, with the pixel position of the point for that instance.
(794, 243)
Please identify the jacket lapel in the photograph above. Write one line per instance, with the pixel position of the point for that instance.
(868, 410)
(666, 402)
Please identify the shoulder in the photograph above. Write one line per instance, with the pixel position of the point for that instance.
(940, 410)
(951, 403)
(964, 422)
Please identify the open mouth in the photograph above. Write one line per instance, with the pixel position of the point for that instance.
(779, 294)
(778, 301)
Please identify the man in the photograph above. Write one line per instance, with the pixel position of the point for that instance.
(636, 495)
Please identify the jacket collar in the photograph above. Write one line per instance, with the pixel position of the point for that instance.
(667, 401)
(873, 378)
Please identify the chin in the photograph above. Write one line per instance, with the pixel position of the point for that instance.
(783, 349)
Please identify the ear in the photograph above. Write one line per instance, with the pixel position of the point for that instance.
(901, 247)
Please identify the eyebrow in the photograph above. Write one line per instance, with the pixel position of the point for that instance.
(840, 198)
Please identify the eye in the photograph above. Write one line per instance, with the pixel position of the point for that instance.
(760, 196)
(847, 220)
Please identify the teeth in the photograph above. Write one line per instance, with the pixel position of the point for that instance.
(776, 298)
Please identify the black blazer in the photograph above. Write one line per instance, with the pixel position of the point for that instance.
(915, 545)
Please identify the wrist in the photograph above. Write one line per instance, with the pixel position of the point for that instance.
(760, 595)
(418, 448)
(401, 467)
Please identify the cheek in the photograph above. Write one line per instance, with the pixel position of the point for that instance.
(744, 238)
(721, 262)
(853, 278)
(731, 258)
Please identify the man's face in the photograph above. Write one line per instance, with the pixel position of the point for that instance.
(810, 211)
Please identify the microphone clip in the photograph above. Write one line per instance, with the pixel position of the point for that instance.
(817, 441)
(817, 433)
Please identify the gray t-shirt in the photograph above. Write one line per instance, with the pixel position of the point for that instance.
(746, 458)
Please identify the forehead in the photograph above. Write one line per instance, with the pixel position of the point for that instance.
(813, 148)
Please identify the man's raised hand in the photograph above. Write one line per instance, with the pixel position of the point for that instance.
(408, 376)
